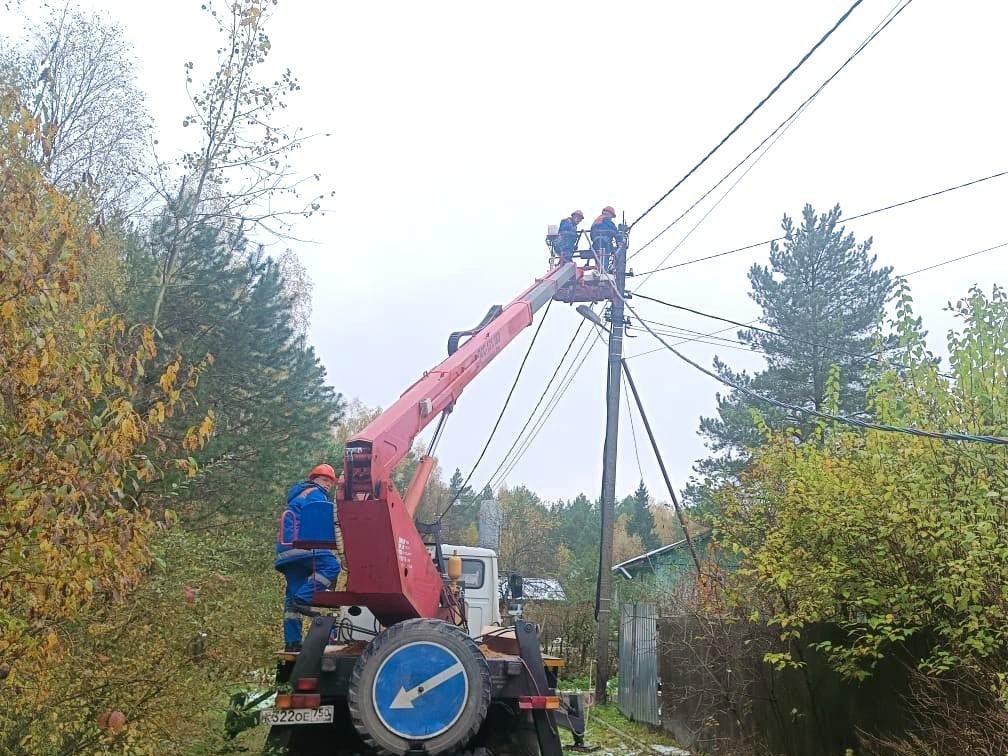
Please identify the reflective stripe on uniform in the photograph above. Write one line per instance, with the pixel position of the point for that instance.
(295, 552)
(293, 555)
(293, 616)
(320, 579)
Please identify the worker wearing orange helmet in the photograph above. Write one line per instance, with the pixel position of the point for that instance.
(567, 236)
(603, 235)
(309, 517)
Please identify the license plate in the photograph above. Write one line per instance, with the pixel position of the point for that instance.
(321, 715)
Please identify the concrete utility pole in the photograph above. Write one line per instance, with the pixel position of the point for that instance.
(609, 470)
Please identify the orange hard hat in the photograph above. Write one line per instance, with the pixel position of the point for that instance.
(322, 471)
(578, 213)
(607, 210)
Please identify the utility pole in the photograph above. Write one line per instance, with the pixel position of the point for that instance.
(608, 507)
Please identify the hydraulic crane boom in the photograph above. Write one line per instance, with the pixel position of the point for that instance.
(373, 453)
(389, 570)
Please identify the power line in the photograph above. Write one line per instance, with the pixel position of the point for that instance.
(633, 430)
(785, 123)
(767, 331)
(845, 220)
(698, 338)
(720, 199)
(548, 410)
(759, 105)
(542, 396)
(722, 344)
(954, 259)
(551, 405)
(507, 464)
(852, 421)
(500, 416)
(678, 332)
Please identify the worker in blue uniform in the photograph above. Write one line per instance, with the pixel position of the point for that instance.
(603, 236)
(309, 517)
(567, 236)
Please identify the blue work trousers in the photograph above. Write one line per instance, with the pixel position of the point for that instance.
(304, 577)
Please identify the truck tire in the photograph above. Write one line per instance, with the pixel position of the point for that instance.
(420, 683)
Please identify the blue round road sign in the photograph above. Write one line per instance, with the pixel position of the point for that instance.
(420, 690)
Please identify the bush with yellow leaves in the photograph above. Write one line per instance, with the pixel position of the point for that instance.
(72, 533)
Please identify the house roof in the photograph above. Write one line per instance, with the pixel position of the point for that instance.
(537, 589)
(646, 557)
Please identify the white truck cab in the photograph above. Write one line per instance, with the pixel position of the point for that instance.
(479, 580)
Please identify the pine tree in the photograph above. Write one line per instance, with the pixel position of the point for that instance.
(823, 294)
(274, 412)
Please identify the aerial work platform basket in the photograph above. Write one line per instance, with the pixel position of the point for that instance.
(593, 281)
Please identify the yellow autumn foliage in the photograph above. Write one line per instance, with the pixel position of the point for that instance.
(73, 536)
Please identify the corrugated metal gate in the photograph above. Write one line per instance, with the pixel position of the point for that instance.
(638, 663)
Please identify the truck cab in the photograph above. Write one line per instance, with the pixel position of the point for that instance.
(480, 580)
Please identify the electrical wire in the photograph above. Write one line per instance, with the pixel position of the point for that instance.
(776, 334)
(500, 416)
(845, 220)
(542, 396)
(722, 198)
(685, 341)
(893, 14)
(552, 404)
(523, 444)
(678, 332)
(736, 345)
(752, 112)
(954, 259)
(851, 421)
(700, 337)
(633, 430)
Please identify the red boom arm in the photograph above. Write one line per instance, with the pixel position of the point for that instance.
(389, 570)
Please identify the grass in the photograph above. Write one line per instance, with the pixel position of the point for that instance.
(614, 733)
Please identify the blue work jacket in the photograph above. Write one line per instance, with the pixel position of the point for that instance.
(313, 518)
(567, 237)
(603, 228)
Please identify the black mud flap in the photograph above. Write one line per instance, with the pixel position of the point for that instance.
(545, 724)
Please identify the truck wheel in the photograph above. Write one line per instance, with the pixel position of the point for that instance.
(420, 683)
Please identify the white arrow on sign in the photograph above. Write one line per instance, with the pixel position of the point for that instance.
(404, 698)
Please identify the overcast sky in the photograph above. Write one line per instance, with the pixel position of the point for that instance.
(461, 130)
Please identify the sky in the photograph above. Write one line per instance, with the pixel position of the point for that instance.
(459, 131)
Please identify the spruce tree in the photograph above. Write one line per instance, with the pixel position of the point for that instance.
(825, 297)
(273, 410)
(464, 514)
(641, 521)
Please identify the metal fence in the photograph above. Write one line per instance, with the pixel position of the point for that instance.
(638, 663)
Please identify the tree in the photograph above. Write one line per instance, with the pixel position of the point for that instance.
(73, 533)
(525, 544)
(274, 411)
(824, 296)
(640, 521)
(237, 175)
(626, 544)
(77, 75)
(891, 535)
(463, 516)
(576, 536)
